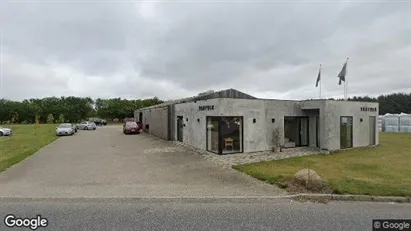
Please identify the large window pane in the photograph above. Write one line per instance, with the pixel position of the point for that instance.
(317, 124)
(224, 134)
(295, 131)
(291, 129)
(304, 132)
(212, 134)
(231, 134)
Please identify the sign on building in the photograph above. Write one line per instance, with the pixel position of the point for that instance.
(372, 109)
(206, 108)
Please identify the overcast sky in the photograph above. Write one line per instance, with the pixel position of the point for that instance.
(177, 49)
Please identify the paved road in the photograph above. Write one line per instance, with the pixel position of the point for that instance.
(106, 163)
(80, 214)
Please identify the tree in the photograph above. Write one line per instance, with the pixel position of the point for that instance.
(50, 119)
(37, 119)
(393, 103)
(61, 118)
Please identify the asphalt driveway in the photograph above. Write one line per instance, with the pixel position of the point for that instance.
(106, 163)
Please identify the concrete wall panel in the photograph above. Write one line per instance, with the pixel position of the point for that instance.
(335, 109)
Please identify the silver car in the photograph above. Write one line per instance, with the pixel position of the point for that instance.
(5, 131)
(64, 130)
(87, 125)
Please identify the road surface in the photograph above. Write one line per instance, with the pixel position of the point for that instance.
(162, 214)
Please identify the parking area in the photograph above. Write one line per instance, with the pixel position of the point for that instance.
(106, 163)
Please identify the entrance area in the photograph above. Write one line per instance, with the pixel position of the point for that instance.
(295, 131)
(224, 134)
(346, 131)
(180, 126)
(140, 117)
(373, 125)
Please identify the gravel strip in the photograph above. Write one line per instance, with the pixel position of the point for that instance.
(245, 158)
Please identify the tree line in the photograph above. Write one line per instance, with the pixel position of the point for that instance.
(69, 109)
(74, 109)
(392, 103)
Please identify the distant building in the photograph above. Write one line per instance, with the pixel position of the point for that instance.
(396, 123)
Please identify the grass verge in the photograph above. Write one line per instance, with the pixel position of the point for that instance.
(377, 171)
(26, 140)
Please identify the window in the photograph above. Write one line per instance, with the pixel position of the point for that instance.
(405, 122)
(346, 132)
(131, 124)
(225, 134)
(213, 134)
(392, 121)
(296, 131)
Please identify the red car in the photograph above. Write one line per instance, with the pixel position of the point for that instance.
(131, 127)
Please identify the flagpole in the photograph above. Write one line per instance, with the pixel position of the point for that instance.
(320, 89)
(346, 89)
(320, 82)
(345, 82)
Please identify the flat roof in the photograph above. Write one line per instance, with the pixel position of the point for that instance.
(235, 94)
(227, 93)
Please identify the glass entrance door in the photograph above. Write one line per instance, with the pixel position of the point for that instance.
(373, 125)
(346, 130)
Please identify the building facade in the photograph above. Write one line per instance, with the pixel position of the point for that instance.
(241, 123)
(159, 120)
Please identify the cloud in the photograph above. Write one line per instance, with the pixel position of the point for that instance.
(177, 49)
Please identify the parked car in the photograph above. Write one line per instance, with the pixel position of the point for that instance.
(97, 121)
(131, 127)
(126, 120)
(87, 125)
(5, 131)
(65, 129)
(129, 120)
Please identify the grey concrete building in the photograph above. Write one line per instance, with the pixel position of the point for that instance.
(231, 122)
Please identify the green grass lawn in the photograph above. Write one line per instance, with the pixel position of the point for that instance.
(26, 140)
(383, 170)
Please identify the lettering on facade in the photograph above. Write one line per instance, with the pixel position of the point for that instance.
(372, 109)
(206, 108)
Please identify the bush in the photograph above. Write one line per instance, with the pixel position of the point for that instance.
(61, 118)
(50, 119)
